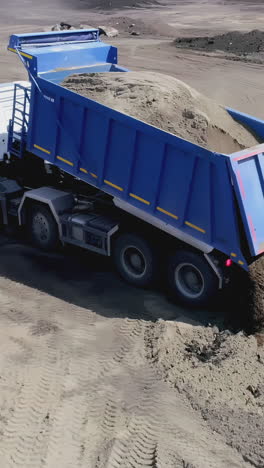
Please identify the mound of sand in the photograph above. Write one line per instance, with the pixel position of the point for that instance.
(166, 103)
(219, 373)
(256, 293)
(243, 299)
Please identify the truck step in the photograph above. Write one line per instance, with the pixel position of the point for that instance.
(13, 206)
(91, 231)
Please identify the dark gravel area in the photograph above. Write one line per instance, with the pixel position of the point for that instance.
(234, 42)
(113, 4)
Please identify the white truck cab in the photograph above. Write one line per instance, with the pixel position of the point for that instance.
(6, 110)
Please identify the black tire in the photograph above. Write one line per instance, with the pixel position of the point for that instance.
(42, 227)
(191, 279)
(135, 260)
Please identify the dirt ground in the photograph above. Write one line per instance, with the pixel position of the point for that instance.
(94, 373)
(77, 387)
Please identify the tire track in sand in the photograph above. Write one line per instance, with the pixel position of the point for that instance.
(69, 444)
(137, 428)
(22, 441)
(65, 446)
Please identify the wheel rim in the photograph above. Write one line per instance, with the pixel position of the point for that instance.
(189, 280)
(40, 227)
(134, 262)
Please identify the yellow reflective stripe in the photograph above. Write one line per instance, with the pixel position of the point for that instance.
(42, 149)
(139, 199)
(113, 185)
(21, 53)
(241, 263)
(233, 254)
(167, 212)
(195, 227)
(26, 55)
(65, 160)
(87, 172)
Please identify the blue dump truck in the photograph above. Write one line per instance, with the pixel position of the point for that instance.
(78, 172)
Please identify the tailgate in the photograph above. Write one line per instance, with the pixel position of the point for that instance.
(247, 170)
(63, 50)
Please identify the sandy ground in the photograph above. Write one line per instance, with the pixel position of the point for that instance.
(76, 387)
(89, 375)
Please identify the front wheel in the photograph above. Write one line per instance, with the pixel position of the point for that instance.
(191, 279)
(135, 259)
(42, 227)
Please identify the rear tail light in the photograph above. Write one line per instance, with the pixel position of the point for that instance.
(228, 263)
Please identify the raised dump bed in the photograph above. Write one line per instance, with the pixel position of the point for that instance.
(177, 186)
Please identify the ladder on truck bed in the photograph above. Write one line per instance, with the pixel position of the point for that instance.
(18, 125)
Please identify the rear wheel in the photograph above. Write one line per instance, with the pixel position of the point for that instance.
(135, 259)
(42, 227)
(191, 279)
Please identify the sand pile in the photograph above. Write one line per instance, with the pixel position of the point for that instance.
(256, 293)
(220, 373)
(167, 103)
(243, 299)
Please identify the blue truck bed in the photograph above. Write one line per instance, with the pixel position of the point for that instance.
(173, 184)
